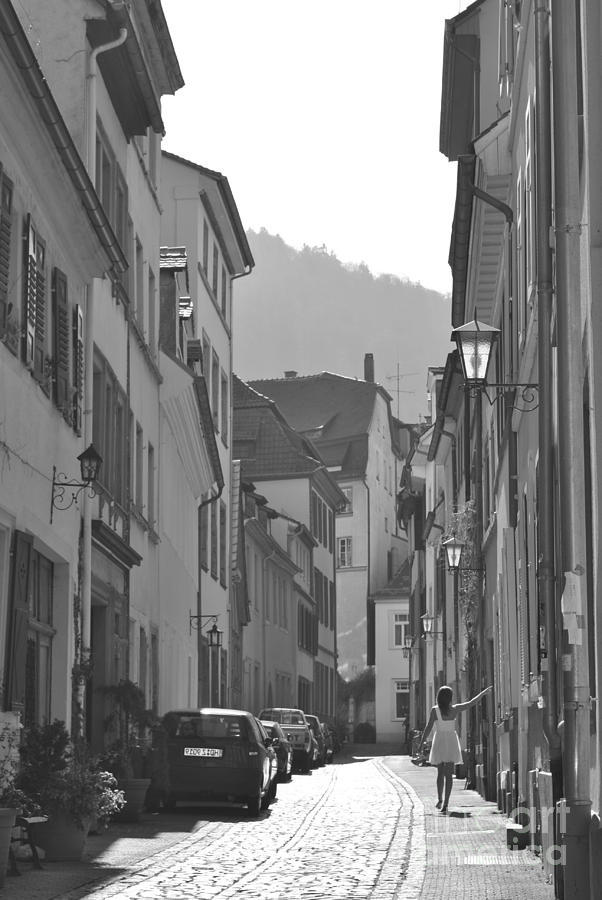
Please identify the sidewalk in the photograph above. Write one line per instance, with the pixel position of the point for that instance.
(467, 855)
(107, 856)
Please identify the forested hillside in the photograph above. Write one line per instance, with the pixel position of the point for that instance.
(307, 311)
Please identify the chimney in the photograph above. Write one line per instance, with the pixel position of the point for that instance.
(369, 367)
(290, 373)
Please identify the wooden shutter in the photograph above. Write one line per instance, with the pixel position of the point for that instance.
(8, 330)
(77, 345)
(18, 621)
(29, 294)
(34, 301)
(61, 343)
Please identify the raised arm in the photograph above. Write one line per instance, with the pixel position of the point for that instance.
(460, 707)
(429, 725)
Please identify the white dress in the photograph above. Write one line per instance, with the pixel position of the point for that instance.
(446, 743)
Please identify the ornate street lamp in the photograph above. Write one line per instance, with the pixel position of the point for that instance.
(475, 342)
(90, 462)
(408, 643)
(453, 547)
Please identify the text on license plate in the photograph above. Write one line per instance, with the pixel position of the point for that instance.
(203, 751)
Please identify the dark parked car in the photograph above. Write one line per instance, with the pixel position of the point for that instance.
(333, 743)
(328, 740)
(283, 748)
(316, 730)
(219, 755)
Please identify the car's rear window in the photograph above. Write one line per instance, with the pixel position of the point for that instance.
(284, 716)
(233, 728)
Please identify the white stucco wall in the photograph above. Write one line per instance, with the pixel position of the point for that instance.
(391, 667)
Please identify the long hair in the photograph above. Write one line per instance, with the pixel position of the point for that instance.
(444, 698)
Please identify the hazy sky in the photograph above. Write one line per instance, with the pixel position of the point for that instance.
(324, 116)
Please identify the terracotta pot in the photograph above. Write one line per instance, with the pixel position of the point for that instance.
(134, 790)
(7, 821)
(61, 838)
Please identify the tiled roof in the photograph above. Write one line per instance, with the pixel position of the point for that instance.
(264, 441)
(338, 405)
(335, 411)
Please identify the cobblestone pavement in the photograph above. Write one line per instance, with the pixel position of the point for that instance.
(364, 828)
(466, 850)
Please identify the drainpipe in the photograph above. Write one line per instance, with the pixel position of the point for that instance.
(266, 599)
(213, 498)
(576, 699)
(93, 288)
(371, 626)
(545, 487)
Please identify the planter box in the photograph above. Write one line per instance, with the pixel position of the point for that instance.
(61, 839)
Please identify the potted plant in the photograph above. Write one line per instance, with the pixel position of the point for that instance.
(13, 800)
(69, 785)
(129, 754)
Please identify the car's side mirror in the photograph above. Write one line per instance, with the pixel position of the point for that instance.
(268, 741)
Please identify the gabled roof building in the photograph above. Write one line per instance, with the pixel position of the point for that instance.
(350, 423)
(303, 499)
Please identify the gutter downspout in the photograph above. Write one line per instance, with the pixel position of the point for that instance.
(571, 464)
(266, 600)
(93, 289)
(545, 487)
(211, 499)
(371, 636)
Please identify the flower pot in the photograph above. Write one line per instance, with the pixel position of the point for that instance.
(61, 838)
(7, 821)
(134, 790)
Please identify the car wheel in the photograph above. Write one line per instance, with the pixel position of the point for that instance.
(169, 804)
(254, 805)
(306, 764)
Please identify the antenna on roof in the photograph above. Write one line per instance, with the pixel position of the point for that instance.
(398, 390)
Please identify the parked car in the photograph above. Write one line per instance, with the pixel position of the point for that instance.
(293, 721)
(316, 729)
(328, 740)
(283, 749)
(219, 755)
(268, 740)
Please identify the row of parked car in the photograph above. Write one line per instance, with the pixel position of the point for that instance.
(312, 743)
(233, 756)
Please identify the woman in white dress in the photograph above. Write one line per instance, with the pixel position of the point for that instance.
(446, 752)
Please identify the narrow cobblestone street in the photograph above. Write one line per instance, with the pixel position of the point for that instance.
(364, 828)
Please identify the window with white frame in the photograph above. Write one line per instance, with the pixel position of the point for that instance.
(348, 491)
(344, 559)
(400, 628)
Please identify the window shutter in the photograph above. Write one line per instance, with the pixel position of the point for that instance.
(8, 330)
(78, 367)
(34, 301)
(18, 621)
(29, 294)
(61, 347)
(40, 341)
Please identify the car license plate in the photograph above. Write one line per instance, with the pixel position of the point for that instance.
(204, 751)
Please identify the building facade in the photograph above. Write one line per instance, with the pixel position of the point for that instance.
(199, 213)
(350, 423)
(519, 117)
(303, 498)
